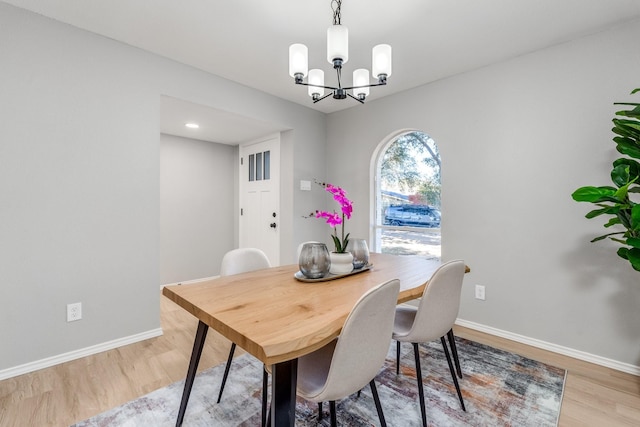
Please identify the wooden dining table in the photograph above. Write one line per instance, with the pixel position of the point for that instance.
(278, 318)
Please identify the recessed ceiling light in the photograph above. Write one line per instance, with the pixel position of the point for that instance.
(192, 125)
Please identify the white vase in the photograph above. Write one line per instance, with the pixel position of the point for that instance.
(341, 263)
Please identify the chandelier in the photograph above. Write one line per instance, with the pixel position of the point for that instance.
(337, 55)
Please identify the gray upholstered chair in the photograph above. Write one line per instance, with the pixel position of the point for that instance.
(348, 363)
(433, 318)
(239, 261)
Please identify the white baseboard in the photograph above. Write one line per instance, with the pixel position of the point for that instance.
(98, 348)
(189, 282)
(77, 354)
(566, 351)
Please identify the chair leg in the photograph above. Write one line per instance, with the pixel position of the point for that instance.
(319, 411)
(376, 399)
(226, 370)
(453, 374)
(265, 384)
(423, 410)
(454, 352)
(397, 357)
(332, 413)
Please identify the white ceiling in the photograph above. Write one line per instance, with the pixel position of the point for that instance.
(247, 40)
(215, 125)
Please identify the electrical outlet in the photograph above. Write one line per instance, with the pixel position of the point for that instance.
(74, 312)
(480, 292)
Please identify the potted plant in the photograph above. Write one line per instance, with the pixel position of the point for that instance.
(341, 259)
(615, 200)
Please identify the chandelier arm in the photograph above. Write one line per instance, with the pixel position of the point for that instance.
(357, 99)
(358, 87)
(324, 87)
(320, 99)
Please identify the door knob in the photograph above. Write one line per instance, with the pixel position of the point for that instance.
(273, 225)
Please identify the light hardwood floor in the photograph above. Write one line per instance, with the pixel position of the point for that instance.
(76, 390)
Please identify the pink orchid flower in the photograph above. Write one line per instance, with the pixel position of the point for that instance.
(333, 219)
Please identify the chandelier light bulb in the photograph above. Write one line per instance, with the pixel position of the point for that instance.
(361, 78)
(316, 77)
(337, 44)
(381, 61)
(298, 60)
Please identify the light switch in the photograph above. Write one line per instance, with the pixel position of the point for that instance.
(305, 185)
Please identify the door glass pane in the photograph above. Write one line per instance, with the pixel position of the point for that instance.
(252, 167)
(258, 166)
(267, 164)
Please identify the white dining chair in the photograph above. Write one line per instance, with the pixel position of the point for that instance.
(433, 318)
(348, 363)
(239, 261)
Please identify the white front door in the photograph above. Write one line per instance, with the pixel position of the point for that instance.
(260, 197)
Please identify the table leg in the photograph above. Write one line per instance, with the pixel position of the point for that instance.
(283, 393)
(198, 343)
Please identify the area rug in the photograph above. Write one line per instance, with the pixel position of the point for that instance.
(499, 389)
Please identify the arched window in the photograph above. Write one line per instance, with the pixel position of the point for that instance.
(406, 217)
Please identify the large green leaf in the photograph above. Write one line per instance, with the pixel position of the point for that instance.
(635, 90)
(630, 113)
(635, 217)
(622, 192)
(613, 221)
(625, 218)
(593, 194)
(628, 136)
(620, 175)
(626, 127)
(634, 167)
(611, 210)
(628, 132)
(633, 241)
(627, 124)
(629, 162)
(604, 236)
(623, 253)
(628, 147)
(633, 255)
(623, 139)
(621, 241)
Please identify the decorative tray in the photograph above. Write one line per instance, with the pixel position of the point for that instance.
(299, 276)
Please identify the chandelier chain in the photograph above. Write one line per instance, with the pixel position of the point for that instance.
(335, 6)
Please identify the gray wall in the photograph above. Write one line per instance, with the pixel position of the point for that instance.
(80, 180)
(516, 139)
(197, 207)
(80, 183)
